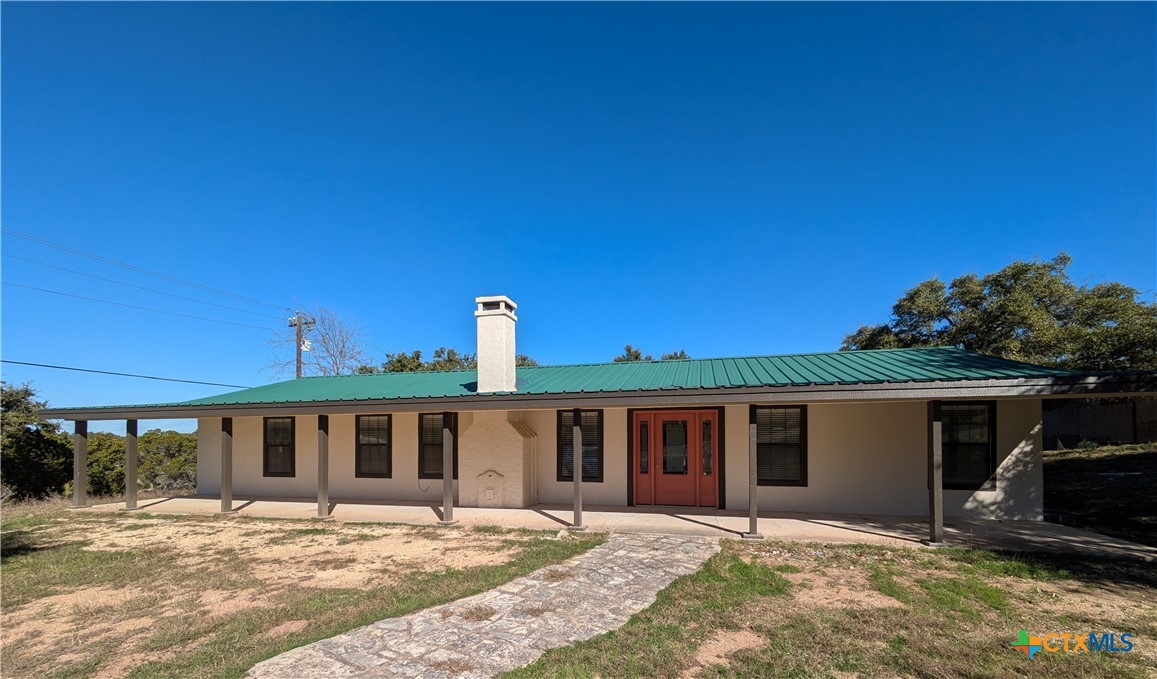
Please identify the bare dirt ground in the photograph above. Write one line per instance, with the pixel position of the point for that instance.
(280, 555)
(205, 572)
(723, 643)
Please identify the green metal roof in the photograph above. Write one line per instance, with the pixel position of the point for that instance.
(887, 366)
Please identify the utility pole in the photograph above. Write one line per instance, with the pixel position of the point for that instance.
(299, 321)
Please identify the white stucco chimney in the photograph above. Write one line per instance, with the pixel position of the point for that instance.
(496, 321)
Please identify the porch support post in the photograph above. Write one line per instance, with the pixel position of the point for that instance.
(323, 467)
(577, 471)
(752, 483)
(80, 464)
(935, 476)
(226, 465)
(447, 470)
(130, 465)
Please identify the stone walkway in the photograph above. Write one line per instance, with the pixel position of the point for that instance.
(509, 626)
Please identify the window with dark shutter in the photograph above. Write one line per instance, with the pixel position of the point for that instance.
(430, 445)
(781, 445)
(592, 429)
(373, 456)
(968, 438)
(279, 456)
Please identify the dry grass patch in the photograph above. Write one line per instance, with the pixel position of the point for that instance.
(211, 596)
(19, 509)
(833, 586)
(288, 627)
(451, 666)
(537, 611)
(799, 610)
(279, 554)
(849, 591)
(478, 613)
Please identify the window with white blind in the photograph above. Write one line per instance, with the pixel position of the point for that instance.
(781, 445)
(592, 430)
(430, 445)
(279, 458)
(372, 458)
(968, 436)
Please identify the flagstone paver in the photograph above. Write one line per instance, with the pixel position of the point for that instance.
(588, 595)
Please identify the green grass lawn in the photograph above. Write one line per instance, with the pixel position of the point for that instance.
(154, 596)
(1109, 490)
(794, 610)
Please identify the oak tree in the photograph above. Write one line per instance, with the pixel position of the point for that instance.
(35, 456)
(1027, 311)
(443, 359)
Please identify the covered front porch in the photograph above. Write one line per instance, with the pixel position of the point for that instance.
(866, 459)
(823, 528)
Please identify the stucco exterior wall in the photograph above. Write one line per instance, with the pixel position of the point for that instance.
(247, 461)
(209, 456)
(248, 478)
(612, 490)
(1019, 492)
(404, 483)
(864, 458)
(871, 458)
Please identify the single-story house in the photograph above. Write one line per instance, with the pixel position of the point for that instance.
(927, 432)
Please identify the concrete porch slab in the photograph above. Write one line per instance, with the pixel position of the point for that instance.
(899, 531)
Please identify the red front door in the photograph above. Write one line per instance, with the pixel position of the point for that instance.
(675, 457)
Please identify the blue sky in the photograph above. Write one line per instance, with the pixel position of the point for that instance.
(728, 179)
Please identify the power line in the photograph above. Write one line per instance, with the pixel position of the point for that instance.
(138, 269)
(141, 287)
(133, 306)
(108, 372)
(374, 346)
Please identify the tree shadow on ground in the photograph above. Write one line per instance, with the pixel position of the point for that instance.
(1111, 493)
(1109, 573)
(15, 543)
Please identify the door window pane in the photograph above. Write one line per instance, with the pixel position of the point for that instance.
(675, 447)
(644, 448)
(707, 447)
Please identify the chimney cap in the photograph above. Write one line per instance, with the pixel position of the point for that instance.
(494, 299)
(495, 305)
